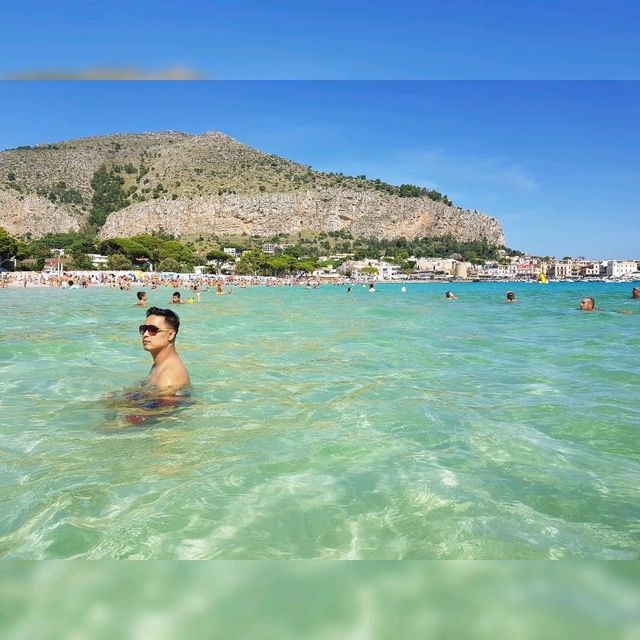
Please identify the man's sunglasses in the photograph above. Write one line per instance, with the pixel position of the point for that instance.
(151, 329)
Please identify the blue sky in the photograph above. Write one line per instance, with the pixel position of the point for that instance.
(330, 39)
(558, 163)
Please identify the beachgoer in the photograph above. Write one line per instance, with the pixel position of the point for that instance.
(511, 297)
(635, 293)
(142, 299)
(348, 289)
(450, 295)
(168, 373)
(587, 304)
(175, 298)
(372, 289)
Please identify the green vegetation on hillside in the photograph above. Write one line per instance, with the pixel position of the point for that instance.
(60, 192)
(108, 195)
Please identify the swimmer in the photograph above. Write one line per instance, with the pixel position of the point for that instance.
(511, 297)
(403, 289)
(587, 304)
(175, 298)
(348, 289)
(635, 293)
(372, 289)
(142, 299)
(168, 373)
(449, 295)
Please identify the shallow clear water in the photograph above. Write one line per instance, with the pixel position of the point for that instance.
(327, 425)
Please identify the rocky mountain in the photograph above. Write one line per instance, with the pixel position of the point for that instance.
(208, 184)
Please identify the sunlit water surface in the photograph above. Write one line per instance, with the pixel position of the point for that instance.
(327, 424)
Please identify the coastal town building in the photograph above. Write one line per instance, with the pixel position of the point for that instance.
(98, 260)
(621, 268)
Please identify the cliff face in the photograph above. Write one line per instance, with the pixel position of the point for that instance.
(22, 215)
(184, 184)
(364, 214)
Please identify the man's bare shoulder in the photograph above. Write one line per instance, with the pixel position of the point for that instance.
(171, 377)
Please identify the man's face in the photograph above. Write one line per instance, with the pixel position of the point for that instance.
(636, 293)
(156, 343)
(586, 304)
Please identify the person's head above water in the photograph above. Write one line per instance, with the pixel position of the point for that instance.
(587, 304)
(141, 295)
(636, 292)
(450, 295)
(175, 299)
(511, 296)
(160, 330)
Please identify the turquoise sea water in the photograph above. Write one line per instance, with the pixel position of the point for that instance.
(262, 600)
(327, 425)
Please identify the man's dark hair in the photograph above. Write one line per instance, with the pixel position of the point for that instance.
(176, 294)
(141, 294)
(171, 318)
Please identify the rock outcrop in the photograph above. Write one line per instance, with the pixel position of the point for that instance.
(184, 184)
(363, 214)
(30, 214)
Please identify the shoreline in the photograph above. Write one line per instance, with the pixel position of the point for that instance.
(125, 280)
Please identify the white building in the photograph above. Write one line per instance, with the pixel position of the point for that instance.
(387, 270)
(443, 266)
(621, 268)
(98, 260)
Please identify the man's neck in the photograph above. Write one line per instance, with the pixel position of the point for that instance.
(164, 354)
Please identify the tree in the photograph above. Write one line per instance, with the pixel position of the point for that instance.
(126, 247)
(118, 262)
(307, 266)
(78, 251)
(8, 245)
(175, 250)
(170, 265)
(219, 258)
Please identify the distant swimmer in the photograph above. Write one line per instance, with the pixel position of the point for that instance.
(142, 299)
(219, 289)
(176, 298)
(372, 289)
(168, 374)
(348, 289)
(587, 304)
(511, 297)
(635, 293)
(450, 295)
(403, 289)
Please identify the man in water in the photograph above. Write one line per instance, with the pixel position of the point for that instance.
(142, 299)
(168, 374)
(587, 304)
(635, 293)
(175, 298)
(511, 297)
(449, 295)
